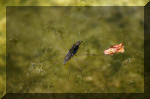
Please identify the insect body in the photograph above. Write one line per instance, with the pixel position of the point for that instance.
(72, 51)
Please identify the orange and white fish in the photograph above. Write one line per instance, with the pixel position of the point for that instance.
(119, 48)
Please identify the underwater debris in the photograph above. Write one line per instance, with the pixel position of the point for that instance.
(119, 48)
(72, 51)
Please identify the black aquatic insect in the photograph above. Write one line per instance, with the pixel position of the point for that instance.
(72, 51)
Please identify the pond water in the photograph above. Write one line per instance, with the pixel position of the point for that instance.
(38, 38)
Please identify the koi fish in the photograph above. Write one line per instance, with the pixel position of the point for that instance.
(119, 48)
(72, 51)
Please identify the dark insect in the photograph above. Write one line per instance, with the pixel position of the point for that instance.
(72, 51)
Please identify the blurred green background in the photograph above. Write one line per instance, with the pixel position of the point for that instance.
(38, 38)
(101, 32)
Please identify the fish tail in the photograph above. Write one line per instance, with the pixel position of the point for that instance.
(64, 62)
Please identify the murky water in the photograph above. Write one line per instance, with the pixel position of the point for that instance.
(38, 38)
